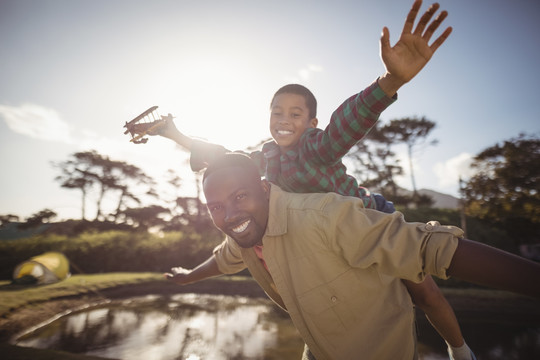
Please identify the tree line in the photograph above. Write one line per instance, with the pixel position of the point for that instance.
(504, 189)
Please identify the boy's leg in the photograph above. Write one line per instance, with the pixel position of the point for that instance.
(428, 297)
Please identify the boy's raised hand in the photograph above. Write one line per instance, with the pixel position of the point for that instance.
(167, 128)
(412, 51)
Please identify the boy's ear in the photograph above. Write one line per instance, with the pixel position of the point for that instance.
(313, 122)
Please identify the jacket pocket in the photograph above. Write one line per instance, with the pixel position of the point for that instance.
(331, 306)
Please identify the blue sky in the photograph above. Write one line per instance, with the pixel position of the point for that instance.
(73, 71)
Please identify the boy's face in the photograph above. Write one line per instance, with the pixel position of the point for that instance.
(289, 118)
(238, 204)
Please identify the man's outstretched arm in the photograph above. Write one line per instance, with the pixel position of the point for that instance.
(485, 265)
(205, 270)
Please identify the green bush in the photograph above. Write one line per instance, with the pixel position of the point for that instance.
(113, 251)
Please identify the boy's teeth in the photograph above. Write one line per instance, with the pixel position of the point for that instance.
(240, 228)
(284, 132)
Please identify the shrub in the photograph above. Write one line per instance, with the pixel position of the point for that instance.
(113, 251)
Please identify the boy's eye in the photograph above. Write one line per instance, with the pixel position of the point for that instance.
(240, 196)
(214, 208)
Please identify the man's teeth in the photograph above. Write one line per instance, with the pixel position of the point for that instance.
(240, 228)
(284, 132)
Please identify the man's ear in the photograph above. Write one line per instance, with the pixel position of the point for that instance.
(265, 185)
(313, 122)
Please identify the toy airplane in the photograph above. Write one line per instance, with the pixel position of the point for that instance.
(145, 123)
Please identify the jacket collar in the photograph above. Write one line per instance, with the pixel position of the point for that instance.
(277, 212)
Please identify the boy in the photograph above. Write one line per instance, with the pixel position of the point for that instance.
(304, 159)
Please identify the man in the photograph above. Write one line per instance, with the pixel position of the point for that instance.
(336, 266)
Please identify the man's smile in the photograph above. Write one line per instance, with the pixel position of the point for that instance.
(242, 227)
(284, 132)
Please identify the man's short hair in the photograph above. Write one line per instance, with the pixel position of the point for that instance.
(303, 91)
(233, 159)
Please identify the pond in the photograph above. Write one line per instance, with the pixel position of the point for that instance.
(219, 327)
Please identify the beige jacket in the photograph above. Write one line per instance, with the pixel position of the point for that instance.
(337, 268)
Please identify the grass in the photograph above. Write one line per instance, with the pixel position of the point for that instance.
(15, 296)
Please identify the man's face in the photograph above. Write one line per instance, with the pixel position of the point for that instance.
(238, 204)
(289, 118)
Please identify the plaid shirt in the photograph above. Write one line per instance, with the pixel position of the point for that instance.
(315, 164)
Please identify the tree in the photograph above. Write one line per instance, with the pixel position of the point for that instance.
(8, 218)
(505, 189)
(375, 164)
(41, 217)
(128, 177)
(89, 169)
(413, 132)
(146, 217)
(75, 174)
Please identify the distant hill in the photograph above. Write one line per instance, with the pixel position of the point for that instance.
(441, 201)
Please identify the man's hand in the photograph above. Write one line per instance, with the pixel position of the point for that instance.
(178, 275)
(412, 51)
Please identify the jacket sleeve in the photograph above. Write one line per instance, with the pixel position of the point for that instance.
(202, 153)
(349, 123)
(369, 238)
(228, 256)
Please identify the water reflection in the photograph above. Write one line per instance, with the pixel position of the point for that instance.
(186, 326)
(196, 327)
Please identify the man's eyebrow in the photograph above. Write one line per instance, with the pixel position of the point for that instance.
(232, 194)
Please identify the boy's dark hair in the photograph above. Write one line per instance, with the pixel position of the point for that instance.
(232, 160)
(301, 90)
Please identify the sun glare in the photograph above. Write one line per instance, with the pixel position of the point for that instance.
(220, 102)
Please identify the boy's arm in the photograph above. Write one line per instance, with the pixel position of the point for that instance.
(412, 52)
(205, 270)
(355, 117)
(170, 131)
(202, 153)
(349, 123)
(488, 266)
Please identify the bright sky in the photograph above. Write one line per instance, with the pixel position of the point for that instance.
(72, 72)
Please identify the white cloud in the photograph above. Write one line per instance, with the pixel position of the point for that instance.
(305, 73)
(37, 122)
(448, 172)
